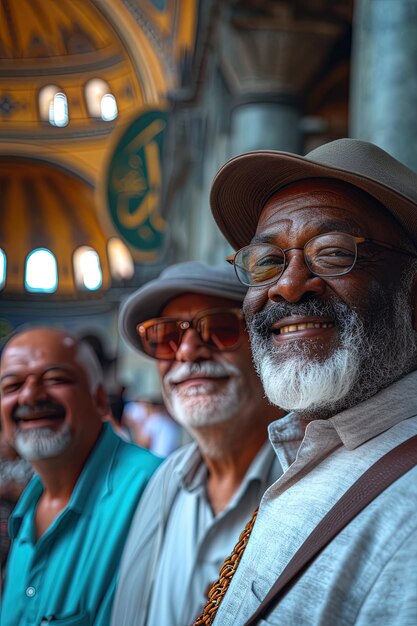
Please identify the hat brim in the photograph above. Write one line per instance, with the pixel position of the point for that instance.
(244, 184)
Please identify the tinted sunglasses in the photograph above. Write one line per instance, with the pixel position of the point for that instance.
(220, 329)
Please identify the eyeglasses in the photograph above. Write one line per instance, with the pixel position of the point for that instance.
(220, 329)
(331, 254)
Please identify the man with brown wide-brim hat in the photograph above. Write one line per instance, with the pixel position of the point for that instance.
(327, 245)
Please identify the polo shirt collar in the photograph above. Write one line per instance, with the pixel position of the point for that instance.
(28, 499)
(97, 465)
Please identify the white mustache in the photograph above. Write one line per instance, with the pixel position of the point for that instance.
(203, 369)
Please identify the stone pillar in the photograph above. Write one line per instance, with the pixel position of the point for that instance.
(268, 59)
(267, 54)
(266, 126)
(384, 76)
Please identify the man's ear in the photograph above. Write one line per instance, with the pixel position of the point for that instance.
(102, 401)
(414, 302)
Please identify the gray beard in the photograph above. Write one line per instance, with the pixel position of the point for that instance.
(204, 405)
(42, 443)
(373, 352)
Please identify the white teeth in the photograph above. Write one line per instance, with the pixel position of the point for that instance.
(294, 327)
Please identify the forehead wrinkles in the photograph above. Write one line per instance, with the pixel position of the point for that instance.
(31, 353)
(329, 210)
(289, 205)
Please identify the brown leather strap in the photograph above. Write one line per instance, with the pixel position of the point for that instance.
(373, 482)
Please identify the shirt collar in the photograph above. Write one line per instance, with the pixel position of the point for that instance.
(192, 471)
(29, 497)
(260, 467)
(98, 464)
(377, 414)
(351, 427)
(286, 435)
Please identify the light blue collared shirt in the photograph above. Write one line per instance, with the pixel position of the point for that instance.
(182, 541)
(367, 576)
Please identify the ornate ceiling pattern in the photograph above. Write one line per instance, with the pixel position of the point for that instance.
(64, 44)
(135, 47)
(42, 206)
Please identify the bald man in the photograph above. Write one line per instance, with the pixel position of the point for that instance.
(70, 525)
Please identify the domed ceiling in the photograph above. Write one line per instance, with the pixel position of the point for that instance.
(34, 29)
(42, 206)
(67, 45)
(64, 44)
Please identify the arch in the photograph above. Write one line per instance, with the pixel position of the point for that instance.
(58, 110)
(100, 101)
(65, 203)
(45, 98)
(53, 106)
(120, 259)
(87, 269)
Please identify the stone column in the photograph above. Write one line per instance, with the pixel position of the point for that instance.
(268, 61)
(384, 76)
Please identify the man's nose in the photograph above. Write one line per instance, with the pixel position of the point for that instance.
(31, 391)
(192, 347)
(296, 282)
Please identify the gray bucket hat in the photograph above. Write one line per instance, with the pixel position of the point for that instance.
(243, 185)
(189, 277)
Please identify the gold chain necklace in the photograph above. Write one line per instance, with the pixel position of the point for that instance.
(219, 588)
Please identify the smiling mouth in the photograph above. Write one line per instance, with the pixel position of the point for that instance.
(199, 380)
(292, 328)
(46, 420)
(25, 415)
(38, 418)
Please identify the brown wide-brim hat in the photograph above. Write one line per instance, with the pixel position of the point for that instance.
(243, 185)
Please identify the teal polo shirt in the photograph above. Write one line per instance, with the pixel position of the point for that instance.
(68, 576)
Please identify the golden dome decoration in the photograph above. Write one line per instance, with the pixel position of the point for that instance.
(45, 208)
(61, 46)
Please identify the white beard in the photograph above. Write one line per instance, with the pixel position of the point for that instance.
(372, 353)
(297, 384)
(42, 443)
(204, 405)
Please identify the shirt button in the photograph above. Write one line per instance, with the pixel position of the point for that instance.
(30, 592)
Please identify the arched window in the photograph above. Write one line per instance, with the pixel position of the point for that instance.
(87, 269)
(41, 274)
(58, 110)
(46, 97)
(3, 263)
(108, 107)
(120, 259)
(53, 106)
(100, 101)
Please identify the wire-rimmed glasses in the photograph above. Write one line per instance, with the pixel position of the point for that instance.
(327, 255)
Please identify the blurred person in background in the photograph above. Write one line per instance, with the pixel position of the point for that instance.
(189, 321)
(151, 427)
